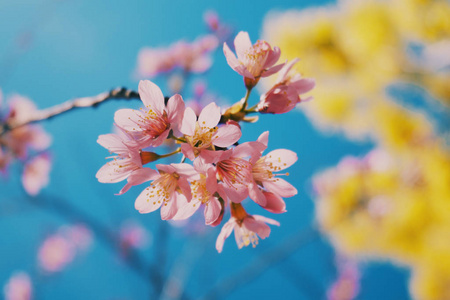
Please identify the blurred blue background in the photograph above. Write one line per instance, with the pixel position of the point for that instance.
(52, 51)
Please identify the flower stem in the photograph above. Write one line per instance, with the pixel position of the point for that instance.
(247, 95)
(171, 153)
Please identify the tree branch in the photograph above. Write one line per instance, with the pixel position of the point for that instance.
(45, 114)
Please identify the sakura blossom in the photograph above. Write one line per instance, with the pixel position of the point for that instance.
(203, 134)
(169, 189)
(246, 228)
(56, 253)
(205, 192)
(18, 287)
(252, 61)
(266, 188)
(151, 125)
(126, 165)
(36, 174)
(285, 94)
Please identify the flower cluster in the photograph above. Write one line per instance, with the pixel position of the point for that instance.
(27, 144)
(223, 171)
(194, 57)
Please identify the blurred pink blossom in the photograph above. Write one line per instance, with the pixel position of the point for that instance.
(36, 174)
(346, 287)
(18, 287)
(56, 253)
(133, 235)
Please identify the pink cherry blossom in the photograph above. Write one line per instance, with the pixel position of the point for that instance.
(246, 228)
(126, 165)
(36, 174)
(18, 287)
(264, 176)
(205, 192)
(79, 235)
(253, 61)
(169, 190)
(235, 171)
(23, 138)
(154, 61)
(56, 253)
(204, 133)
(285, 94)
(151, 125)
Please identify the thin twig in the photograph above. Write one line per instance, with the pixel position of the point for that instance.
(260, 264)
(45, 114)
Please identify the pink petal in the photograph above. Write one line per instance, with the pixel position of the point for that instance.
(189, 121)
(185, 188)
(212, 211)
(187, 210)
(236, 194)
(260, 228)
(242, 43)
(151, 96)
(175, 110)
(264, 138)
(166, 168)
(303, 85)
(159, 140)
(210, 116)
(129, 119)
(137, 177)
(281, 159)
(112, 142)
(144, 204)
(274, 203)
(108, 173)
(272, 58)
(280, 187)
(266, 220)
(169, 209)
(249, 149)
(211, 181)
(210, 156)
(226, 136)
(224, 234)
(272, 70)
(186, 170)
(285, 70)
(188, 151)
(256, 194)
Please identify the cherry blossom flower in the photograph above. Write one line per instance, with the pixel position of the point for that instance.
(36, 174)
(79, 235)
(246, 228)
(18, 287)
(169, 189)
(126, 165)
(264, 176)
(285, 94)
(154, 61)
(253, 61)
(235, 171)
(151, 125)
(205, 192)
(204, 133)
(56, 253)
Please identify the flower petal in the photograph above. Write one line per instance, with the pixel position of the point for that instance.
(212, 211)
(129, 119)
(256, 194)
(260, 228)
(280, 187)
(266, 220)
(281, 159)
(224, 234)
(274, 203)
(242, 43)
(175, 110)
(210, 116)
(144, 204)
(188, 123)
(226, 136)
(272, 70)
(151, 96)
(169, 209)
(187, 209)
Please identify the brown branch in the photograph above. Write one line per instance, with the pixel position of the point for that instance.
(45, 114)
(262, 263)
